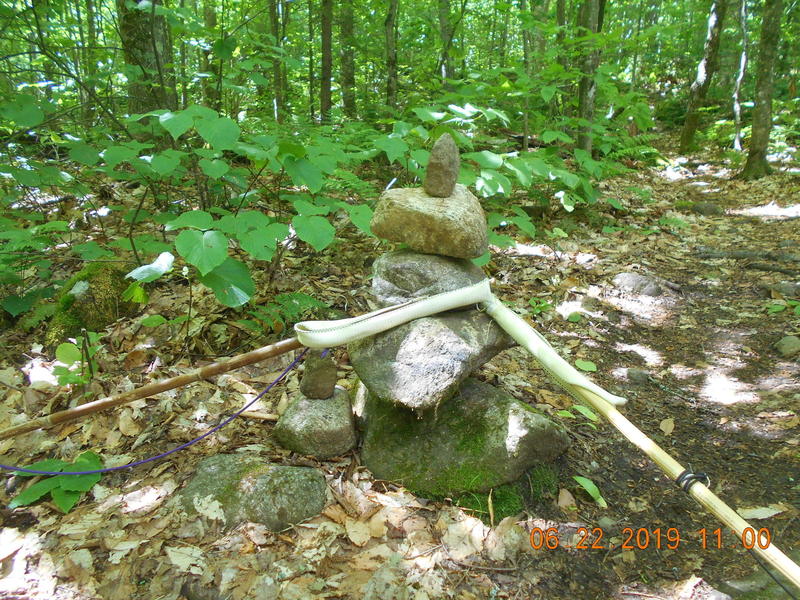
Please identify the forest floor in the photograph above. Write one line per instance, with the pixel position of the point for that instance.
(697, 362)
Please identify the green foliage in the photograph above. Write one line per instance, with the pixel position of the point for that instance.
(65, 490)
(538, 306)
(591, 489)
(779, 306)
(78, 364)
(283, 310)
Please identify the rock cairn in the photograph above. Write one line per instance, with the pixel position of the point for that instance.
(425, 422)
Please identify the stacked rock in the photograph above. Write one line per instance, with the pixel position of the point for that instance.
(319, 421)
(426, 423)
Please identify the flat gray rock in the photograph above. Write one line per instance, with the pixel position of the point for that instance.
(421, 363)
(251, 489)
(639, 284)
(318, 427)
(405, 275)
(479, 439)
(453, 226)
(441, 173)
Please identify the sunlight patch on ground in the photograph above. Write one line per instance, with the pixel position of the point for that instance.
(651, 357)
(653, 311)
(770, 211)
(544, 251)
(719, 387)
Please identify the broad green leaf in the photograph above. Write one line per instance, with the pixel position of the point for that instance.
(84, 154)
(214, 168)
(118, 154)
(306, 208)
(615, 203)
(361, 216)
(550, 135)
(522, 170)
(205, 250)
(221, 133)
(68, 353)
(23, 110)
(48, 464)
(304, 173)
(485, 159)
(491, 182)
(315, 231)
(34, 492)
(16, 305)
(153, 321)
(575, 317)
(591, 488)
(483, 259)
(91, 251)
(176, 123)
(231, 283)
(164, 164)
(64, 499)
(394, 147)
(586, 412)
(586, 365)
(135, 293)
(151, 272)
(429, 115)
(27, 177)
(524, 223)
(197, 219)
(548, 92)
(261, 243)
(225, 47)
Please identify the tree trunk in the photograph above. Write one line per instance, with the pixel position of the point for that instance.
(147, 49)
(390, 29)
(705, 71)
(445, 36)
(757, 165)
(274, 8)
(312, 99)
(211, 94)
(591, 18)
(504, 37)
(347, 57)
(737, 106)
(327, 60)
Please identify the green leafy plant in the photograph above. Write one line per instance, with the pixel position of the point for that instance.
(777, 306)
(78, 364)
(538, 306)
(585, 411)
(284, 309)
(590, 487)
(65, 490)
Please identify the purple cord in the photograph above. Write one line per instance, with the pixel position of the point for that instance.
(174, 450)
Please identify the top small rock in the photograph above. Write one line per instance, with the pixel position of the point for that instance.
(443, 166)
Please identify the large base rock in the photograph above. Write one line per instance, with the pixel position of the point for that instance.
(319, 427)
(479, 439)
(421, 363)
(405, 275)
(453, 226)
(248, 489)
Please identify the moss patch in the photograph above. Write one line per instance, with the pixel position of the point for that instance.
(91, 299)
(506, 500)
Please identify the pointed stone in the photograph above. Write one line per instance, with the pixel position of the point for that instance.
(443, 165)
(319, 377)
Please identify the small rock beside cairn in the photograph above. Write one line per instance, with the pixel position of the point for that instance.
(319, 422)
(425, 423)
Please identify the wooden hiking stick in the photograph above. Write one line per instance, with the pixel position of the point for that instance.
(152, 389)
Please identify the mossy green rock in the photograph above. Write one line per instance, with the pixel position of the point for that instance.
(478, 439)
(248, 489)
(91, 299)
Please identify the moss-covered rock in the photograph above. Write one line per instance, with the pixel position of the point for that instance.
(477, 440)
(319, 427)
(248, 489)
(91, 299)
